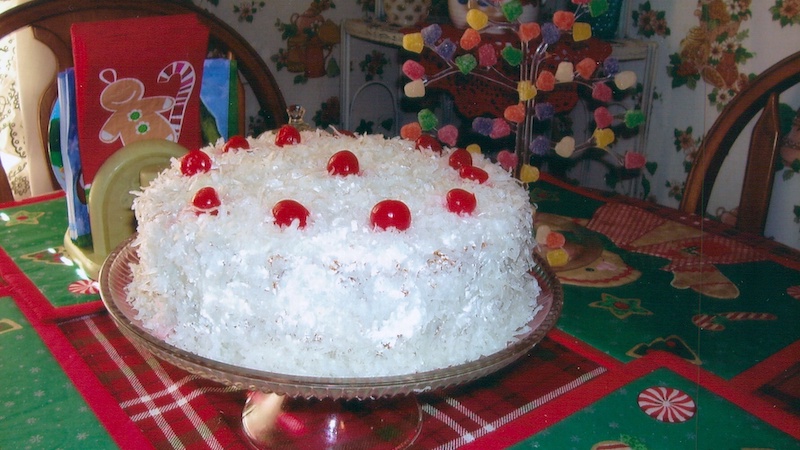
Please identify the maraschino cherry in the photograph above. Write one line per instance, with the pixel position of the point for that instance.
(287, 135)
(287, 211)
(194, 162)
(235, 143)
(390, 213)
(343, 163)
(460, 158)
(206, 200)
(460, 201)
(473, 173)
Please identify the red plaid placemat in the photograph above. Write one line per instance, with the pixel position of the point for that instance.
(176, 409)
(172, 407)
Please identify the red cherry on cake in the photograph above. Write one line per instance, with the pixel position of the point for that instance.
(390, 213)
(194, 162)
(287, 211)
(343, 163)
(428, 141)
(473, 173)
(287, 135)
(235, 143)
(206, 200)
(460, 158)
(460, 201)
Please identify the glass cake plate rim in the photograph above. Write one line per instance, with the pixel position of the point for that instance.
(115, 275)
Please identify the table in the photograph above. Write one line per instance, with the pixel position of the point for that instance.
(680, 334)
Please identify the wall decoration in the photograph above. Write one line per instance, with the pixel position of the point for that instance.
(787, 12)
(310, 39)
(713, 51)
(373, 65)
(247, 10)
(649, 22)
(328, 114)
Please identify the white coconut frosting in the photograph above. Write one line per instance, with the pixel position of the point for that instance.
(338, 297)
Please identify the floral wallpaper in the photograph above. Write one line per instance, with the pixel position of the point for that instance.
(708, 51)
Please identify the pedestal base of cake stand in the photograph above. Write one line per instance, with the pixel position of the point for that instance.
(274, 421)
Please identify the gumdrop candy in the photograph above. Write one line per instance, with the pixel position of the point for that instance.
(602, 117)
(528, 173)
(477, 19)
(413, 42)
(526, 90)
(413, 69)
(541, 234)
(512, 10)
(611, 66)
(540, 146)
(601, 92)
(565, 147)
(487, 56)
(633, 118)
(466, 63)
(544, 111)
(564, 20)
(603, 137)
(500, 128)
(431, 34)
(550, 34)
(427, 119)
(507, 160)
(512, 55)
(411, 131)
(474, 148)
(515, 113)
(448, 134)
(625, 80)
(446, 49)
(555, 239)
(470, 39)
(482, 125)
(634, 160)
(528, 31)
(586, 68)
(598, 7)
(558, 257)
(414, 89)
(565, 72)
(546, 81)
(581, 31)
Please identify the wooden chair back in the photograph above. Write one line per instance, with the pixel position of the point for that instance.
(50, 21)
(761, 94)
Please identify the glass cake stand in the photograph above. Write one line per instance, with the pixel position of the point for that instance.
(289, 411)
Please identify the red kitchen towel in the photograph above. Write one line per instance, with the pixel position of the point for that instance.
(137, 79)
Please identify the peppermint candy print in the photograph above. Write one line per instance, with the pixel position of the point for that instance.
(87, 287)
(667, 404)
(794, 291)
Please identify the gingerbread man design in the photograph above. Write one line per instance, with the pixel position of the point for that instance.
(134, 117)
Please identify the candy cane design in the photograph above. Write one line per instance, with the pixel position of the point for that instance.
(709, 321)
(188, 78)
(667, 404)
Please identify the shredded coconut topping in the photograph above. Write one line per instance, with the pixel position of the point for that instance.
(337, 297)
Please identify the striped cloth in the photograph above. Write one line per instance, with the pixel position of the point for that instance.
(175, 409)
